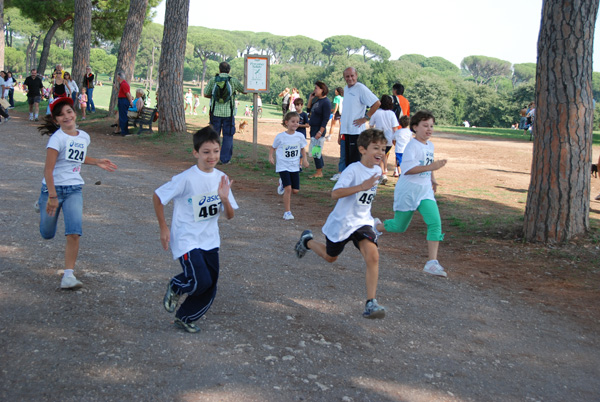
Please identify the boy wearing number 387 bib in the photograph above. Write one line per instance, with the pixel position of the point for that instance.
(289, 150)
(199, 196)
(351, 218)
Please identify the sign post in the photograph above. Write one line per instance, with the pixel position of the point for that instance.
(256, 81)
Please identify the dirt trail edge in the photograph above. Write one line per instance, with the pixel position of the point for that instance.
(281, 329)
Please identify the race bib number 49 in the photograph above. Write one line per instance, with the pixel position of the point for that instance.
(75, 151)
(366, 197)
(206, 206)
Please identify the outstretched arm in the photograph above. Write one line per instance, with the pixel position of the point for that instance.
(438, 164)
(105, 164)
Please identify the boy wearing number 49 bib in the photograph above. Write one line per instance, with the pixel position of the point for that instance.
(351, 218)
(199, 195)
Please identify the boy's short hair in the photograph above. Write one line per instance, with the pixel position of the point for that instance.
(399, 88)
(386, 103)
(206, 134)
(404, 120)
(298, 101)
(420, 116)
(370, 136)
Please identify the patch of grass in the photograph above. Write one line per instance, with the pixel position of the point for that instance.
(504, 133)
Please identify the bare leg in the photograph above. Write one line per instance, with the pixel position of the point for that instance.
(432, 248)
(71, 251)
(371, 255)
(287, 198)
(320, 250)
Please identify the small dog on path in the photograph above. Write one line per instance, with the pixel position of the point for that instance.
(594, 170)
(242, 127)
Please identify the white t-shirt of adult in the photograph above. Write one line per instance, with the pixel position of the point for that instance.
(356, 100)
(411, 189)
(72, 86)
(288, 147)
(352, 212)
(386, 121)
(72, 151)
(402, 137)
(2, 84)
(196, 209)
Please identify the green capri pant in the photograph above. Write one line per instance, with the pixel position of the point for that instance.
(431, 215)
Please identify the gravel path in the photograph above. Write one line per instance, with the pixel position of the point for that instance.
(281, 329)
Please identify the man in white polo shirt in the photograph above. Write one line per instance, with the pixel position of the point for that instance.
(357, 97)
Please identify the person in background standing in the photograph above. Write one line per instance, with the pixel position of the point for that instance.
(88, 83)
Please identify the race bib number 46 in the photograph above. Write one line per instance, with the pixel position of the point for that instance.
(75, 151)
(206, 206)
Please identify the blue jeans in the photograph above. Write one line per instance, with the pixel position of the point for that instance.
(123, 119)
(70, 200)
(227, 125)
(342, 164)
(90, 103)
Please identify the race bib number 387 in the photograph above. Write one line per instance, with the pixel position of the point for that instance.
(206, 206)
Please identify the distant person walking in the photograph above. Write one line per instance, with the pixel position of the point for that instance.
(33, 85)
(221, 90)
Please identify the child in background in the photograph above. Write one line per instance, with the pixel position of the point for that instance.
(416, 187)
(204, 109)
(303, 123)
(385, 120)
(290, 146)
(199, 195)
(351, 218)
(401, 139)
(62, 184)
(196, 103)
(83, 101)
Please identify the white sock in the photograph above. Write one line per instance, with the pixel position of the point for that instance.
(36, 115)
(30, 114)
(68, 272)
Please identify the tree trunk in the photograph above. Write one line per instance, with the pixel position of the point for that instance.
(2, 34)
(82, 27)
(558, 199)
(129, 45)
(48, 41)
(170, 67)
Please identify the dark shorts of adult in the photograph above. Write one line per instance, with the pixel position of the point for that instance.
(285, 108)
(34, 99)
(337, 116)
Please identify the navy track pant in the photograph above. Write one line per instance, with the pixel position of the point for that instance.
(199, 281)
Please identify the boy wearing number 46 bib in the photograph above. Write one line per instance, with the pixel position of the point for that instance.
(351, 218)
(289, 149)
(199, 196)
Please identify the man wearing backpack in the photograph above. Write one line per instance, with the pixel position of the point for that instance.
(221, 89)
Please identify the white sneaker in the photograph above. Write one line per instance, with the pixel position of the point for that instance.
(280, 189)
(335, 177)
(288, 216)
(30, 118)
(70, 282)
(383, 179)
(433, 267)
